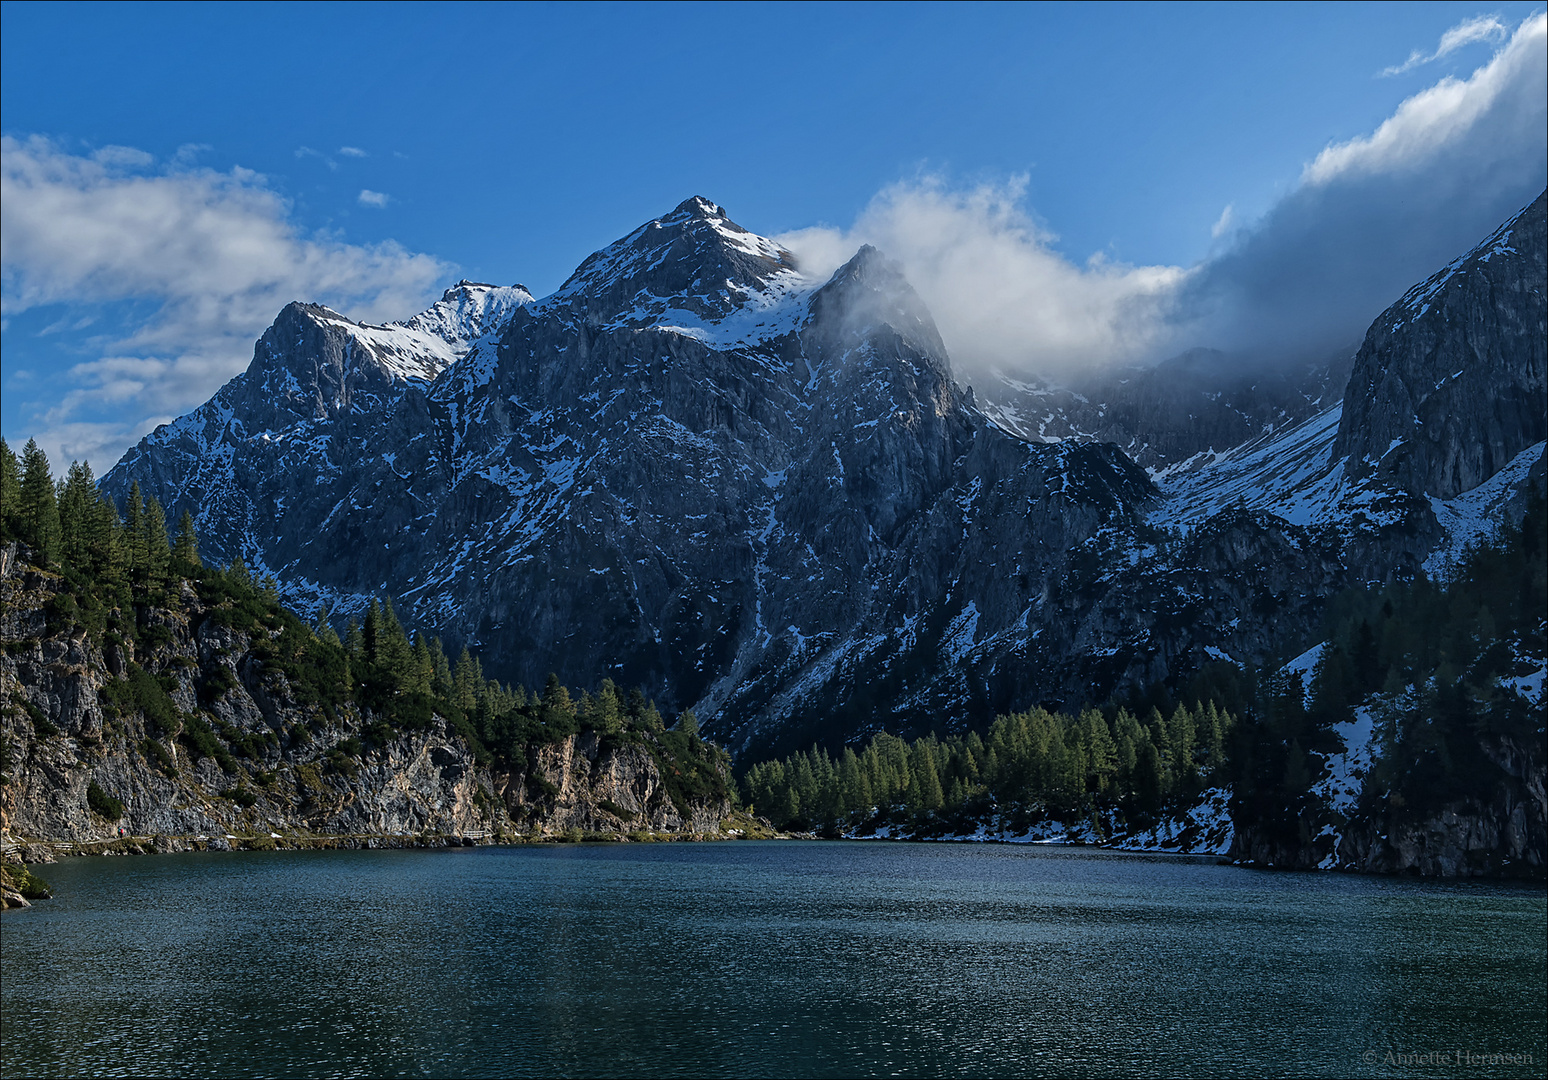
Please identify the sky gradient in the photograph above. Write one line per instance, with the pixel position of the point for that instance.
(175, 174)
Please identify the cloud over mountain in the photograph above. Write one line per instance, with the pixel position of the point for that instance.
(1366, 218)
(202, 259)
(1373, 214)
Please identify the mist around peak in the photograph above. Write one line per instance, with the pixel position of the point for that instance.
(1368, 217)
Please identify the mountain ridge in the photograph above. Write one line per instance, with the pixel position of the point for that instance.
(767, 497)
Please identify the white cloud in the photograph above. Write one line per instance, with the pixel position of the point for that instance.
(374, 199)
(1377, 213)
(1467, 32)
(215, 254)
(1223, 224)
(1441, 114)
(307, 151)
(353, 151)
(1001, 296)
(1368, 218)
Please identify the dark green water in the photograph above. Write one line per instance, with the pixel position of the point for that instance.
(764, 959)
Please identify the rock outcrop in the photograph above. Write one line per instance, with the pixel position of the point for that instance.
(1451, 383)
(1502, 833)
(231, 748)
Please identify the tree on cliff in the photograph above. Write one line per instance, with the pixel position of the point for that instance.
(37, 506)
(185, 549)
(10, 494)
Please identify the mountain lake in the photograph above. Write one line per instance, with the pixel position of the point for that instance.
(779, 958)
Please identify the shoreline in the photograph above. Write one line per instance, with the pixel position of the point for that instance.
(20, 854)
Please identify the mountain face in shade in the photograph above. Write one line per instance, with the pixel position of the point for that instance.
(765, 497)
(1451, 382)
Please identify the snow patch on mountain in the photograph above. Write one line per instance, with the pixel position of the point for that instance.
(1474, 517)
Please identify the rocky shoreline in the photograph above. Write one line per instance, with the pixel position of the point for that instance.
(17, 854)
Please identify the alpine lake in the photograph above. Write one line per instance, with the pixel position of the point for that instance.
(779, 958)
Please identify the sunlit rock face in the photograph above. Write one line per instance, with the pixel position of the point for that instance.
(695, 469)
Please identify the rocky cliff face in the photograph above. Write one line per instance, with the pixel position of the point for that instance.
(77, 717)
(764, 496)
(691, 468)
(1451, 383)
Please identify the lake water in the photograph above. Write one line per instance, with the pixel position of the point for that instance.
(764, 959)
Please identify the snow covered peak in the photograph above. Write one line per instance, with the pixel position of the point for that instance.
(422, 347)
(870, 291)
(693, 270)
(468, 311)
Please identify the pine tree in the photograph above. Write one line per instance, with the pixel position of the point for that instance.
(324, 629)
(185, 549)
(465, 681)
(10, 495)
(609, 709)
(1182, 732)
(441, 676)
(38, 506)
(158, 551)
(135, 553)
(421, 667)
(648, 717)
(393, 655)
(354, 642)
(925, 792)
(558, 710)
(105, 543)
(77, 502)
(1101, 752)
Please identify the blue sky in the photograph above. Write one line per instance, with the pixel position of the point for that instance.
(176, 173)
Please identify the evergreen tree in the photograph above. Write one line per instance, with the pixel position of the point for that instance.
(688, 724)
(465, 682)
(354, 642)
(104, 543)
(324, 628)
(608, 709)
(185, 549)
(421, 667)
(10, 495)
(441, 676)
(158, 551)
(649, 718)
(136, 555)
(38, 506)
(557, 713)
(371, 631)
(1101, 752)
(925, 792)
(77, 503)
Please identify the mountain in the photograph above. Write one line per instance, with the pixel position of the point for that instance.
(765, 496)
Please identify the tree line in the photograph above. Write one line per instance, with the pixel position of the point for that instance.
(1027, 766)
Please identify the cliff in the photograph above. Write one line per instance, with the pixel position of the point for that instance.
(185, 725)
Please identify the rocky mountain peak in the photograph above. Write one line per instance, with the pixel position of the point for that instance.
(1451, 382)
(466, 312)
(869, 296)
(698, 471)
(692, 265)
